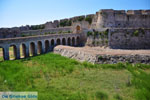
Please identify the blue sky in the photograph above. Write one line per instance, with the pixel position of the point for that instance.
(30, 12)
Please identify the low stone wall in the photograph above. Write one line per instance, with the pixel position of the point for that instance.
(111, 59)
(75, 54)
(81, 55)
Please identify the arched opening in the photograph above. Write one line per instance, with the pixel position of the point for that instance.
(52, 42)
(78, 28)
(23, 51)
(69, 41)
(32, 49)
(12, 52)
(73, 41)
(64, 41)
(39, 47)
(46, 46)
(58, 41)
(1, 54)
(78, 41)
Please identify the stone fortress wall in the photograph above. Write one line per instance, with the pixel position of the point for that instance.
(122, 38)
(126, 29)
(49, 27)
(121, 19)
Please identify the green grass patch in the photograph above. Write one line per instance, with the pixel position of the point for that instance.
(59, 78)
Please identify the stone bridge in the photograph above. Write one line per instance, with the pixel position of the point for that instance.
(34, 45)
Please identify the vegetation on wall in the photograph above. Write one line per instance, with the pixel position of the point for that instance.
(99, 38)
(136, 33)
(88, 19)
(89, 33)
(36, 27)
(81, 18)
(64, 23)
(98, 33)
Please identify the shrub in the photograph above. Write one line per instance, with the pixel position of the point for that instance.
(118, 97)
(88, 19)
(101, 96)
(23, 35)
(106, 32)
(36, 27)
(81, 18)
(100, 57)
(89, 33)
(136, 33)
(95, 34)
(69, 23)
(106, 41)
(65, 23)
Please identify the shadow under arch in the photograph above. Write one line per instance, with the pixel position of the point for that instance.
(47, 46)
(23, 50)
(69, 41)
(32, 49)
(63, 41)
(2, 54)
(73, 41)
(12, 52)
(39, 47)
(58, 41)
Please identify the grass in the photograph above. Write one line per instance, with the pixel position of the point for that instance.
(58, 78)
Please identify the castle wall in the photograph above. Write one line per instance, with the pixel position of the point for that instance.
(121, 19)
(129, 38)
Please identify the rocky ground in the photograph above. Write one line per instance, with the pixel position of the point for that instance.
(104, 55)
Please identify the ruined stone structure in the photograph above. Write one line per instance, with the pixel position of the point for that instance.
(117, 29)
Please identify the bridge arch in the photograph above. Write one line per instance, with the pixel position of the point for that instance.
(69, 41)
(12, 52)
(39, 47)
(2, 54)
(58, 41)
(78, 40)
(23, 50)
(52, 44)
(47, 45)
(73, 41)
(32, 49)
(63, 41)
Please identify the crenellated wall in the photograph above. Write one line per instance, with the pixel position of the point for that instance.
(110, 18)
